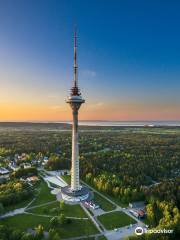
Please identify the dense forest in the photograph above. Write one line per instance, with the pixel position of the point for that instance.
(128, 164)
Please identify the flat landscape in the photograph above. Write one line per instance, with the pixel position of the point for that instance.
(121, 165)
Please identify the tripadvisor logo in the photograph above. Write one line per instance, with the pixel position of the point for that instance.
(139, 231)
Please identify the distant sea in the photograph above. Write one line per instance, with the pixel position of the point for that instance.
(128, 123)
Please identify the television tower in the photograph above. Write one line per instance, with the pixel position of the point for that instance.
(75, 100)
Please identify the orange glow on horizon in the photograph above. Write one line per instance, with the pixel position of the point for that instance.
(99, 111)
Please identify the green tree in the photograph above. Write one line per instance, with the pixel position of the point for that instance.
(62, 205)
(1, 208)
(61, 219)
(54, 222)
(39, 231)
(27, 236)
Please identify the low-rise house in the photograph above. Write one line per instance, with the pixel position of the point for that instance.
(32, 179)
(137, 209)
(13, 166)
(27, 165)
(139, 213)
(4, 173)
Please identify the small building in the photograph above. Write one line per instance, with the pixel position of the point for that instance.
(13, 166)
(139, 213)
(138, 205)
(91, 205)
(3, 171)
(137, 209)
(45, 159)
(27, 165)
(32, 179)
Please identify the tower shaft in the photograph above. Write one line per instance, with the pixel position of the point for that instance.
(75, 154)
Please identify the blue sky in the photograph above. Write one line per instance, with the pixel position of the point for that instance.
(128, 57)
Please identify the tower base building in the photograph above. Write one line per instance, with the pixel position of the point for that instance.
(75, 196)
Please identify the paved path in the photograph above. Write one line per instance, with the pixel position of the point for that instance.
(122, 232)
(40, 205)
(92, 218)
(16, 211)
(50, 216)
(23, 210)
(102, 195)
(13, 213)
(118, 208)
(83, 237)
(32, 231)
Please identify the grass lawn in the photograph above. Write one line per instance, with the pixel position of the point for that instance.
(103, 203)
(66, 178)
(74, 229)
(44, 195)
(77, 228)
(102, 238)
(115, 220)
(18, 205)
(69, 210)
(24, 221)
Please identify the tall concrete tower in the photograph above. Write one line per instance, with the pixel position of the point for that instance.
(76, 192)
(75, 100)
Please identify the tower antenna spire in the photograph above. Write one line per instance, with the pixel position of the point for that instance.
(75, 59)
(75, 90)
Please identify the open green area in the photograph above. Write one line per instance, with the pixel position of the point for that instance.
(78, 228)
(66, 178)
(18, 205)
(54, 210)
(43, 195)
(103, 203)
(102, 238)
(24, 221)
(115, 220)
(73, 229)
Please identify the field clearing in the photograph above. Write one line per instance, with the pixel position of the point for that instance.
(115, 220)
(44, 195)
(69, 210)
(74, 229)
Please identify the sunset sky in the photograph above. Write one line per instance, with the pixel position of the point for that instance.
(128, 58)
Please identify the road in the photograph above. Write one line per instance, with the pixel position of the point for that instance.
(122, 232)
